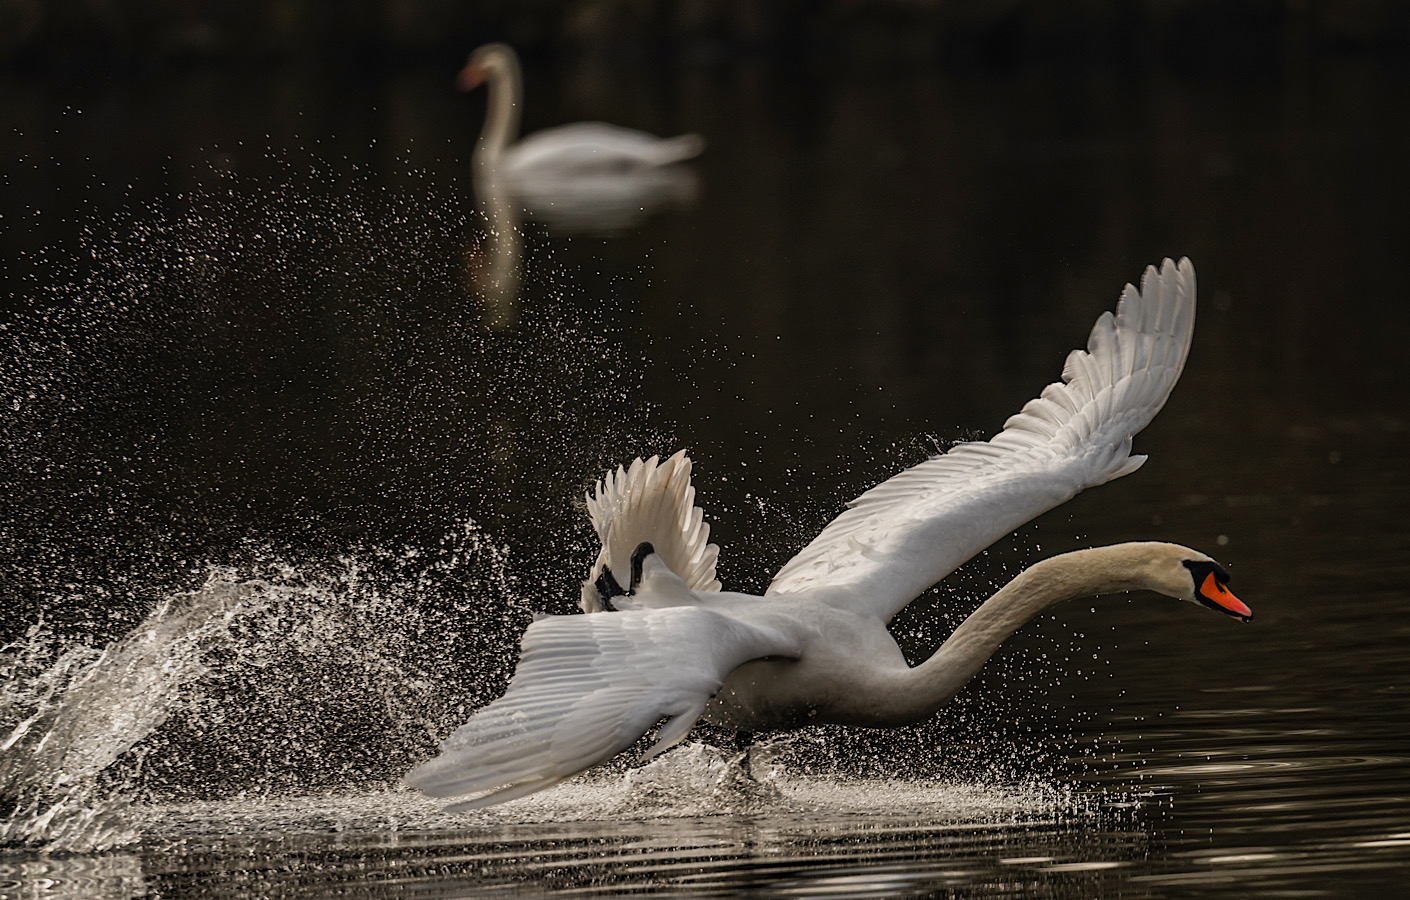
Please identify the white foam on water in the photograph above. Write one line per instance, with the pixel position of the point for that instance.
(689, 783)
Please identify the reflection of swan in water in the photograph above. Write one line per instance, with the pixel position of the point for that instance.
(588, 176)
(492, 264)
(815, 649)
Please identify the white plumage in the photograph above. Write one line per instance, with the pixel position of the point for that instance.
(1076, 434)
(625, 672)
(815, 648)
(585, 176)
(594, 146)
(650, 502)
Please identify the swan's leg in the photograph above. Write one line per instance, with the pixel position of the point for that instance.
(608, 587)
(743, 742)
(735, 745)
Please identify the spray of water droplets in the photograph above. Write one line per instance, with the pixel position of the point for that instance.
(293, 679)
(243, 444)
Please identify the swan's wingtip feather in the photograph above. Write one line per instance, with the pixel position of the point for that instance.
(503, 795)
(1133, 462)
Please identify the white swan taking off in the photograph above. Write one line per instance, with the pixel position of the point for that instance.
(815, 648)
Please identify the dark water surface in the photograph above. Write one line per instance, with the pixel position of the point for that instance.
(261, 441)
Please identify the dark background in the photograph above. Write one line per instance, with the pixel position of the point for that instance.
(87, 37)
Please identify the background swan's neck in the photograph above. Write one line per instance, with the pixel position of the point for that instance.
(1082, 573)
(502, 113)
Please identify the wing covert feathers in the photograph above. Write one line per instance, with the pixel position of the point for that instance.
(585, 689)
(650, 501)
(913, 529)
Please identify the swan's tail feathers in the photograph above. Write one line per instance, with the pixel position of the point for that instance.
(650, 502)
(913, 529)
(586, 688)
(678, 149)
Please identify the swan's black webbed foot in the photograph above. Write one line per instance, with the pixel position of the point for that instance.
(607, 587)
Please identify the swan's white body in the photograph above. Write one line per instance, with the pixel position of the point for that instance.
(815, 648)
(585, 176)
(586, 147)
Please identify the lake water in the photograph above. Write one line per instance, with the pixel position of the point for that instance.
(283, 480)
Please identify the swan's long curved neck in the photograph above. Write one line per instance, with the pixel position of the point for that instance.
(502, 113)
(1082, 573)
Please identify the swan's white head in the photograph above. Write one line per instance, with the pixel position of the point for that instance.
(485, 64)
(1190, 575)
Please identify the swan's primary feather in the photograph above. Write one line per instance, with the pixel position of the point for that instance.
(908, 532)
(651, 502)
(585, 689)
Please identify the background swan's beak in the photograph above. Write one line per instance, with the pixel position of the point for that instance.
(470, 77)
(1217, 596)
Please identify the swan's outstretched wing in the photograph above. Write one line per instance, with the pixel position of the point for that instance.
(651, 502)
(585, 689)
(908, 532)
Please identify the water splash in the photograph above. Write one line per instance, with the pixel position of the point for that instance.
(78, 709)
(699, 779)
(249, 373)
(298, 679)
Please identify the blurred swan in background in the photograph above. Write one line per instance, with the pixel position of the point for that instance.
(667, 643)
(584, 177)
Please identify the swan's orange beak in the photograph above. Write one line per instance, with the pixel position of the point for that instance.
(471, 77)
(1217, 596)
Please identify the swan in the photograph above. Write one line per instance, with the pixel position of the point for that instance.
(662, 641)
(584, 176)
